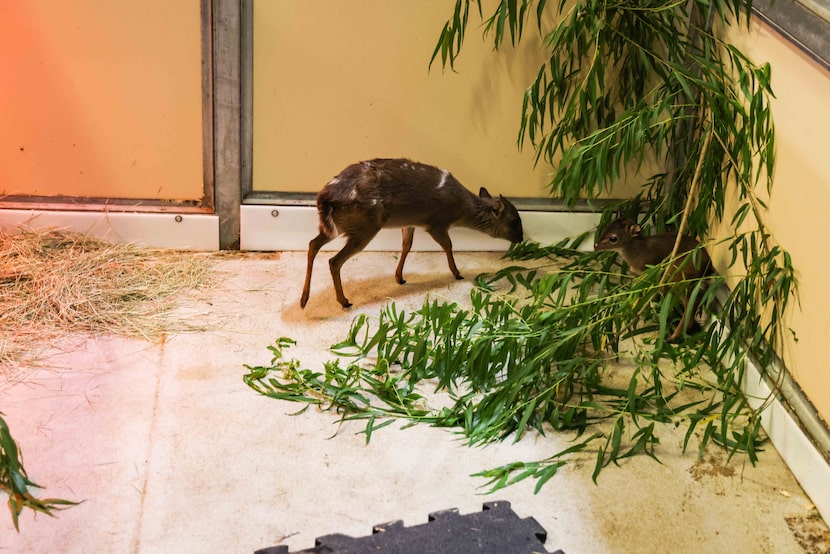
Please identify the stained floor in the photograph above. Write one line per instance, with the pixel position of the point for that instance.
(171, 452)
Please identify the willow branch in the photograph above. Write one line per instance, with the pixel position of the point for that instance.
(695, 185)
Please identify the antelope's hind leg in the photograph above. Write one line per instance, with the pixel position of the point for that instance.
(314, 246)
(406, 246)
(354, 244)
(687, 320)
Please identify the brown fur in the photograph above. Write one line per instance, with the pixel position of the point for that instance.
(368, 196)
(640, 250)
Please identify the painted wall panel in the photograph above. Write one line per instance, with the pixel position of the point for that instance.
(101, 99)
(800, 199)
(337, 82)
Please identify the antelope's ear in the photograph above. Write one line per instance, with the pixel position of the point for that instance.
(483, 193)
(498, 207)
(634, 230)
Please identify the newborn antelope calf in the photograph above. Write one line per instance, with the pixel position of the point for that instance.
(639, 251)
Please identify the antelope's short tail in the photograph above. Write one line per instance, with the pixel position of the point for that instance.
(327, 225)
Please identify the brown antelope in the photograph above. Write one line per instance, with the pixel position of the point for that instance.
(639, 251)
(368, 196)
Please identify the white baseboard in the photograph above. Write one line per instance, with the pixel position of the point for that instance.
(159, 230)
(291, 227)
(802, 457)
(289, 230)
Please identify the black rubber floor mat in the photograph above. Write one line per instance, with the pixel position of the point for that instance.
(494, 530)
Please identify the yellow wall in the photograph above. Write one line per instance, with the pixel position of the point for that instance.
(800, 201)
(337, 82)
(101, 98)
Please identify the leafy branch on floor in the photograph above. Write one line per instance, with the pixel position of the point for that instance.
(15, 482)
(535, 356)
(625, 88)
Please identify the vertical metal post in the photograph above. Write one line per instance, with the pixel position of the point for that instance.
(227, 128)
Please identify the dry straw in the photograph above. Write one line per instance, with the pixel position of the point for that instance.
(55, 285)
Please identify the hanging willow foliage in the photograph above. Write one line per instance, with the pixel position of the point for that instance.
(624, 81)
(627, 80)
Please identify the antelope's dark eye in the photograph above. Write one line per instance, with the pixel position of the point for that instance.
(613, 238)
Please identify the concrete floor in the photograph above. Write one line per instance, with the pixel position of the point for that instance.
(171, 452)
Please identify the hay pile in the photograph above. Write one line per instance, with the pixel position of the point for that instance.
(57, 284)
